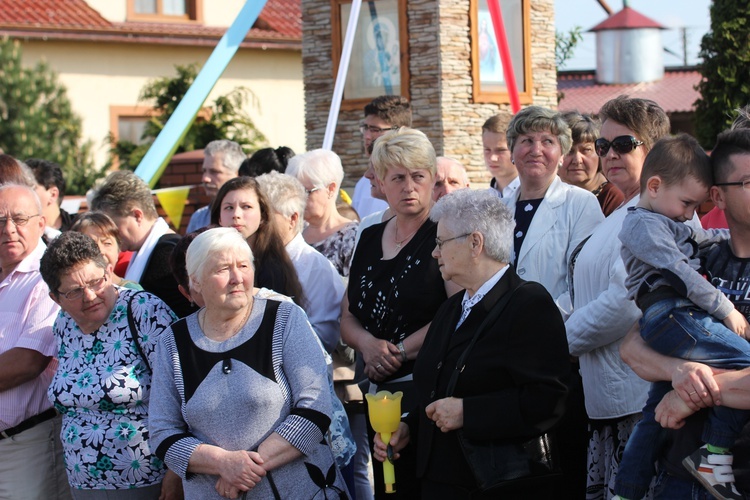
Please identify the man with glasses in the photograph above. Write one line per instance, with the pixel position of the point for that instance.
(383, 114)
(32, 464)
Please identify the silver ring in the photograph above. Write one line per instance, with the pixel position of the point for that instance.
(378, 366)
(691, 393)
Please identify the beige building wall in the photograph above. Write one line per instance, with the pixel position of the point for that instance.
(100, 75)
(215, 13)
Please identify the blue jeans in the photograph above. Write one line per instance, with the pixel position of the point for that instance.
(679, 329)
(670, 487)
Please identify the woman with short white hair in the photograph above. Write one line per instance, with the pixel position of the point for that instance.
(241, 402)
(329, 232)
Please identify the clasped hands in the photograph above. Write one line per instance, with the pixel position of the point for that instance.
(382, 359)
(694, 388)
(240, 472)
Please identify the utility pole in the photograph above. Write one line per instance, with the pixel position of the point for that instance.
(684, 46)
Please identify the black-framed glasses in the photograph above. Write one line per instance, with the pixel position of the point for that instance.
(18, 220)
(375, 130)
(745, 184)
(440, 242)
(622, 145)
(93, 285)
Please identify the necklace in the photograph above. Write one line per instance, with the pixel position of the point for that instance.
(400, 243)
(202, 323)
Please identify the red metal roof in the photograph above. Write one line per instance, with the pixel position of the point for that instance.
(627, 18)
(675, 92)
(280, 21)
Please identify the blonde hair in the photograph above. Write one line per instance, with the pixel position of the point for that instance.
(406, 147)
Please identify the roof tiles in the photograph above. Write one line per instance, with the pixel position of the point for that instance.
(280, 20)
(675, 92)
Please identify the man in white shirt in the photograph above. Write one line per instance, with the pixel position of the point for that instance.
(32, 461)
(497, 159)
(382, 114)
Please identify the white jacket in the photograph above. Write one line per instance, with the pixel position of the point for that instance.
(565, 217)
(601, 317)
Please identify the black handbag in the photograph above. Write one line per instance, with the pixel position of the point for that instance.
(502, 463)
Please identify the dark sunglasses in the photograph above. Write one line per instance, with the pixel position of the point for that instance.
(622, 145)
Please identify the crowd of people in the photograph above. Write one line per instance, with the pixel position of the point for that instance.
(570, 331)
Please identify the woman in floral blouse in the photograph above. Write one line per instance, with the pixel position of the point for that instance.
(329, 232)
(106, 337)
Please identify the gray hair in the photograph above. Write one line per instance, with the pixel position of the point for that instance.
(24, 187)
(285, 194)
(468, 210)
(213, 241)
(539, 119)
(456, 163)
(14, 171)
(319, 166)
(122, 191)
(406, 147)
(231, 153)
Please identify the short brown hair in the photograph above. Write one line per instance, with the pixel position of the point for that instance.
(100, 221)
(393, 109)
(644, 117)
(675, 158)
(497, 124)
(122, 191)
(583, 128)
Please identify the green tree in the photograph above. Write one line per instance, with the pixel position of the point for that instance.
(565, 44)
(225, 118)
(725, 85)
(37, 119)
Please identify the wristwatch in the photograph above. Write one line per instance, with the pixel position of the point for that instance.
(402, 350)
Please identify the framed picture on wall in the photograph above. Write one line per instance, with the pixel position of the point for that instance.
(379, 59)
(488, 77)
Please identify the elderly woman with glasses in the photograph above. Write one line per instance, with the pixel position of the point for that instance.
(107, 336)
(327, 231)
(552, 218)
(508, 389)
(395, 287)
(602, 314)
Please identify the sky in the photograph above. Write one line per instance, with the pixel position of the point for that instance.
(691, 14)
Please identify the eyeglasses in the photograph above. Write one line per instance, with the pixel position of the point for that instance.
(745, 184)
(622, 145)
(18, 220)
(375, 130)
(93, 285)
(440, 242)
(311, 191)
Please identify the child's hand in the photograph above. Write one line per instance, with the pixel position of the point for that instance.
(737, 323)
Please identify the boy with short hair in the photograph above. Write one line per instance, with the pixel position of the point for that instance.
(504, 182)
(683, 314)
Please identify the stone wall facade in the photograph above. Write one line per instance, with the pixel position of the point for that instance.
(440, 83)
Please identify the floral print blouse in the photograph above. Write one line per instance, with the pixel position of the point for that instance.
(339, 247)
(102, 388)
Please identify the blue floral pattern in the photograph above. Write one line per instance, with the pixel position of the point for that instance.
(102, 389)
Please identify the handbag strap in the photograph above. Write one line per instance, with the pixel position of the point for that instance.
(494, 314)
(134, 331)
